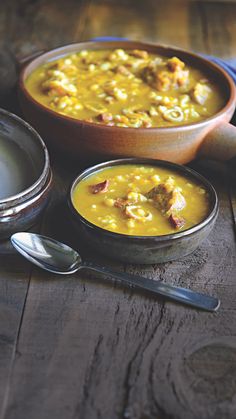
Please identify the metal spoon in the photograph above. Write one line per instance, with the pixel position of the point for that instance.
(59, 258)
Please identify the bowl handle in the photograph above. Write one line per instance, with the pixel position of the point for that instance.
(219, 143)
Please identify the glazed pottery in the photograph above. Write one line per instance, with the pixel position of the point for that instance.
(144, 249)
(213, 137)
(26, 177)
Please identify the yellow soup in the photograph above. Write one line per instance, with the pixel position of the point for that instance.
(125, 88)
(141, 200)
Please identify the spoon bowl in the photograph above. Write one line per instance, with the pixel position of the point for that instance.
(47, 253)
(56, 257)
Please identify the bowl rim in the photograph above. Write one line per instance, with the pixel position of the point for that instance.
(20, 206)
(77, 46)
(42, 179)
(144, 161)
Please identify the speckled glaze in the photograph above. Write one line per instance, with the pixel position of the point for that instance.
(144, 249)
(94, 142)
(26, 177)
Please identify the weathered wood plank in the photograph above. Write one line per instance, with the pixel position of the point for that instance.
(44, 24)
(155, 21)
(219, 28)
(20, 18)
(87, 348)
(13, 293)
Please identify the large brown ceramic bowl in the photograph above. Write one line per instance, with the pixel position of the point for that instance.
(213, 137)
(144, 249)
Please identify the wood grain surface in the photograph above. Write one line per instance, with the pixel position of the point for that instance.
(83, 346)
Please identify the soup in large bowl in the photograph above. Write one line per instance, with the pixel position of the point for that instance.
(101, 100)
(125, 88)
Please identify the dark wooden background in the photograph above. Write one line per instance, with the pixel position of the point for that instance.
(80, 347)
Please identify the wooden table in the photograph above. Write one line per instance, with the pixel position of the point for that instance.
(80, 347)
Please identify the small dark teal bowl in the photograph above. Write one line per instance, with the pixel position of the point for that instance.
(144, 249)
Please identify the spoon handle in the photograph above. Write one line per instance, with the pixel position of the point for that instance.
(183, 295)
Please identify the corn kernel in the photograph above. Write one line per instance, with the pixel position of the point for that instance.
(94, 87)
(165, 100)
(105, 66)
(91, 67)
(132, 196)
(113, 226)
(162, 108)
(68, 61)
(130, 223)
(156, 178)
(104, 221)
(78, 106)
(119, 94)
(152, 95)
(153, 111)
(83, 53)
(62, 105)
(109, 202)
(120, 178)
(183, 100)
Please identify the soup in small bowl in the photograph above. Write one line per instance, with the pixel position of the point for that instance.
(142, 210)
